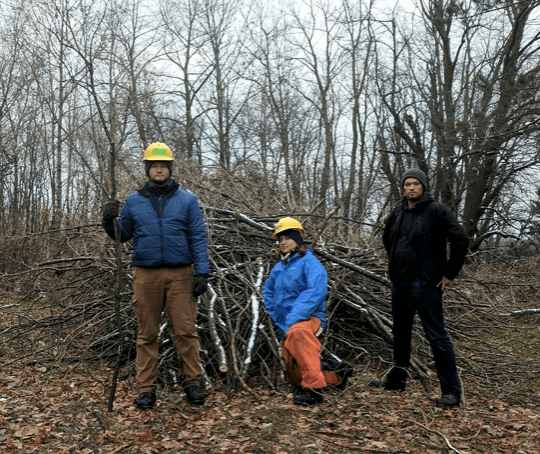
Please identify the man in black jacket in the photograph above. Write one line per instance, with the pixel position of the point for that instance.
(415, 238)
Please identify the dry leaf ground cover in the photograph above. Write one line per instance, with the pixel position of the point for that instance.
(61, 408)
(64, 410)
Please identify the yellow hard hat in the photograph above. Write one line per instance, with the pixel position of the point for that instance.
(286, 224)
(158, 152)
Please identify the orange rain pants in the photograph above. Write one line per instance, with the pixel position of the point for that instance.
(300, 351)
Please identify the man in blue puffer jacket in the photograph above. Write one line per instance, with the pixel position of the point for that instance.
(171, 269)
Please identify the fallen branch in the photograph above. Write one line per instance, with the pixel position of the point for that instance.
(436, 432)
(98, 416)
(370, 274)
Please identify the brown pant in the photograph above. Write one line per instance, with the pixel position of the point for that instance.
(169, 289)
(300, 351)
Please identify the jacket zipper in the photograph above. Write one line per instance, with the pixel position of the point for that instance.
(161, 237)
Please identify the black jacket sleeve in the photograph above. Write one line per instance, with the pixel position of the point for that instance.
(459, 243)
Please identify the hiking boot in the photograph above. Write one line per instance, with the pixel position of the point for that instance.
(344, 371)
(387, 384)
(307, 397)
(331, 364)
(194, 395)
(340, 368)
(448, 401)
(146, 401)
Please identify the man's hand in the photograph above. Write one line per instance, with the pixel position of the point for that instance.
(111, 209)
(444, 284)
(200, 284)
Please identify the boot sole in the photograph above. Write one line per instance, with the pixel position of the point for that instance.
(308, 404)
(447, 406)
(145, 407)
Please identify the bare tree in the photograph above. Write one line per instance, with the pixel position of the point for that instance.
(472, 88)
(183, 46)
(106, 82)
(314, 39)
(281, 127)
(136, 56)
(21, 134)
(223, 27)
(503, 137)
(358, 45)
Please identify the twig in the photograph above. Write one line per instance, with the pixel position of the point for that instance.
(223, 367)
(67, 260)
(322, 226)
(117, 294)
(352, 266)
(98, 416)
(353, 448)
(120, 448)
(436, 432)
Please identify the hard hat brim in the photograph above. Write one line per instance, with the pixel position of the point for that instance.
(275, 235)
(158, 158)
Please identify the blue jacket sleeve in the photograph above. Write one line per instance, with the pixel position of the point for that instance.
(268, 295)
(459, 244)
(197, 238)
(269, 300)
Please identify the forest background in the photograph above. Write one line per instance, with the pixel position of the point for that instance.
(310, 109)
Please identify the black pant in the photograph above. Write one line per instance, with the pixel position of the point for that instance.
(407, 299)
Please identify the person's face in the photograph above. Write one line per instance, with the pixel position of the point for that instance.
(286, 245)
(159, 172)
(413, 189)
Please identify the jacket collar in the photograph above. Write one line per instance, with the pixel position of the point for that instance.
(149, 190)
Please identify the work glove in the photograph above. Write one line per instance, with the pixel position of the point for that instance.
(200, 284)
(111, 209)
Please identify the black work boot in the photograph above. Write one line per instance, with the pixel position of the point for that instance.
(194, 395)
(340, 368)
(395, 380)
(307, 397)
(344, 371)
(147, 400)
(449, 401)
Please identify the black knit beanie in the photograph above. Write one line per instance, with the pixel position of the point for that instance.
(415, 173)
(293, 234)
(148, 164)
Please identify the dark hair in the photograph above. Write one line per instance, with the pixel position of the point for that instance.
(293, 234)
(302, 250)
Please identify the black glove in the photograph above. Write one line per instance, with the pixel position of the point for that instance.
(200, 284)
(111, 209)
